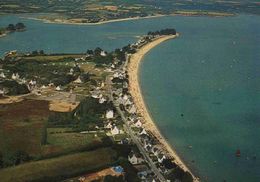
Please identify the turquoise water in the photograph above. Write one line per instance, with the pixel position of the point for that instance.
(210, 75)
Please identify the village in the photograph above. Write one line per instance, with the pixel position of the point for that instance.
(79, 81)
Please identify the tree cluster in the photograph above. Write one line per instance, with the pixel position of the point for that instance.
(17, 27)
(167, 31)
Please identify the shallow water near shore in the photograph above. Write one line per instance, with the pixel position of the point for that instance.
(210, 74)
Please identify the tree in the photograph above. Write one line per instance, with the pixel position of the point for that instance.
(19, 26)
(1, 161)
(10, 27)
(110, 178)
(97, 51)
(90, 52)
(41, 52)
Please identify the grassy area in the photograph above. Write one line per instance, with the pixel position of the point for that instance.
(59, 168)
(66, 139)
(51, 57)
(22, 125)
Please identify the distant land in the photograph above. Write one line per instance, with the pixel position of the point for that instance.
(83, 11)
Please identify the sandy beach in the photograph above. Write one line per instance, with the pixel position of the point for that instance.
(135, 91)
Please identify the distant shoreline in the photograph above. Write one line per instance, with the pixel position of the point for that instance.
(70, 22)
(135, 91)
(177, 13)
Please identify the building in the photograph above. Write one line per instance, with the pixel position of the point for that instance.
(161, 157)
(118, 169)
(110, 114)
(108, 126)
(78, 80)
(115, 130)
(58, 88)
(2, 75)
(138, 124)
(143, 132)
(132, 158)
(103, 53)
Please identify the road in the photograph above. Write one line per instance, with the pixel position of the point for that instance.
(133, 136)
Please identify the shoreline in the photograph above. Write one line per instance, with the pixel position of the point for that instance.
(3, 35)
(74, 21)
(70, 22)
(135, 91)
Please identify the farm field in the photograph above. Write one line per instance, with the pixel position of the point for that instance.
(59, 168)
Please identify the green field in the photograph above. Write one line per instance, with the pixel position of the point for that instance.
(59, 168)
(22, 126)
(65, 139)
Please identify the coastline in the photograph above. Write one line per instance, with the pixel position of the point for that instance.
(70, 22)
(75, 21)
(3, 35)
(135, 90)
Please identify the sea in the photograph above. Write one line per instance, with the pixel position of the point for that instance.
(202, 89)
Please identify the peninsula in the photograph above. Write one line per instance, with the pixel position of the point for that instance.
(83, 102)
(135, 91)
(12, 28)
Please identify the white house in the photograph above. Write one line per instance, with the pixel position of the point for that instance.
(2, 92)
(102, 100)
(15, 76)
(71, 71)
(110, 114)
(143, 132)
(115, 130)
(132, 158)
(43, 87)
(161, 157)
(58, 88)
(138, 124)
(32, 82)
(2, 75)
(132, 109)
(78, 80)
(103, 53)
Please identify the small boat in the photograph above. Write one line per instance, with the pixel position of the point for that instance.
(238, 153)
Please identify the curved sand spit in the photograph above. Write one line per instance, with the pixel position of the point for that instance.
(135, 91)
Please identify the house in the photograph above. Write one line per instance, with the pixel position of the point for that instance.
(110, 114)
(58, 88)
(78, 80)
(155, 151)
(103, 53)
(115, 130)
(161, 157)
(2, 75)
(147, 145)
(2, 92)
(138, 124)
(142, 175)
(132, 158)
(23, 81)
(118, 169)
(15, 76)
(128, 102)
(43, 87)
(71, 71)
(143, 132)
(132, 109)
(102, 100)
(109, 125)
(32, 82)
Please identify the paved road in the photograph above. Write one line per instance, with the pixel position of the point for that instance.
(134, 138)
